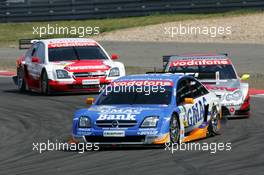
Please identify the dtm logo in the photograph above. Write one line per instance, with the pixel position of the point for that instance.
(117, 117)
(196, 112)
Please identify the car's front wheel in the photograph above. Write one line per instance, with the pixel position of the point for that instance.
(174, 129)
(45, 83)
(21, 83)
(214, 125)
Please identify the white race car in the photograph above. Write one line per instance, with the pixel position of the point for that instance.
(218, 74)
(66, 65)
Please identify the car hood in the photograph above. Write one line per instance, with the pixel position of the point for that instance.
(122, 112)
(83, 65)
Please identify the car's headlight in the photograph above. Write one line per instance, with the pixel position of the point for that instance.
(84, 122)
(114, 72)
(235, 96)
(150, 122)
(61, 74)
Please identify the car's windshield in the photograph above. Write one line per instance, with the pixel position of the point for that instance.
(76, 53)
(136, 95)
(207, 72)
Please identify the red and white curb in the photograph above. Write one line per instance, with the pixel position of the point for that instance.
(7, 73)
(256, 92)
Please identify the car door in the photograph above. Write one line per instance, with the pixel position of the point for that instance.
(35, 60)
(194, 112)
(29, 66)
(199, 94)
(183, 92)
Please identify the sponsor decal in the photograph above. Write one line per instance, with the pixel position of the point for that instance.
(142, 83)
(119, 114)
(114, 134)
(87, 67)
(117, 117)
(178, 63)
(90, 82)
(196, 112)
(84, 133)
(202, 57)
(183, 115)
(62, 63)
(121, 111)
(210, 87)
(70, 44)
(147, 132)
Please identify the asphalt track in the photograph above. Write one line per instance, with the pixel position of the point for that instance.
(29, 118)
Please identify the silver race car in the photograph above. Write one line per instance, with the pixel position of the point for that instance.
(218, 74)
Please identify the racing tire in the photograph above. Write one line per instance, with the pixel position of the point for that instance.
(214, 123)
(174, 129)
(45, 89)
(21, 83)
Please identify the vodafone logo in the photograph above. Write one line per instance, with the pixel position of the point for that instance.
(209, 87)
(71, 44)
(72, 68)
(143, 83)
(198, 62)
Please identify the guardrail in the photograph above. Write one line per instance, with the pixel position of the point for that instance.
(48, 10)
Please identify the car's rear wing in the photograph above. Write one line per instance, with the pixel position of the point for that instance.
(26, 43)
(166, 60)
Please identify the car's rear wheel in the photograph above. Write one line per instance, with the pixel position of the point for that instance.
(45, 83)
(21, 83)
(174, 129)
(214, 125)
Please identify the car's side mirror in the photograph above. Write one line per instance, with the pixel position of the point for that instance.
(35, 60)
(245, 77)
(188, 100)
(114, 56)
(90, 101)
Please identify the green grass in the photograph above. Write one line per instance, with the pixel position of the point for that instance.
(10, 33)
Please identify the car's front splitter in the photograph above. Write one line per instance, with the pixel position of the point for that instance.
(234, 111)
(127, 140)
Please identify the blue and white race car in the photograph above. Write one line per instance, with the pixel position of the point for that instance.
(149, 109)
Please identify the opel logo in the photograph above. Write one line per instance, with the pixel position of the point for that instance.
(115, 124)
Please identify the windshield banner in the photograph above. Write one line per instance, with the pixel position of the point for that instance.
(70, 44)
(178, 63)
(143, 83)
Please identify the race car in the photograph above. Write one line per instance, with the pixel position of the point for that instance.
(218, 74)
(149, 109)
(65, 65)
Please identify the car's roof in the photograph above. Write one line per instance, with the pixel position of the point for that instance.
(67, 40)
(163, 76)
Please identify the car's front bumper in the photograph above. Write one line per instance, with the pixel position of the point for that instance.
(76, 86)
(126, 140)
(235, 111)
